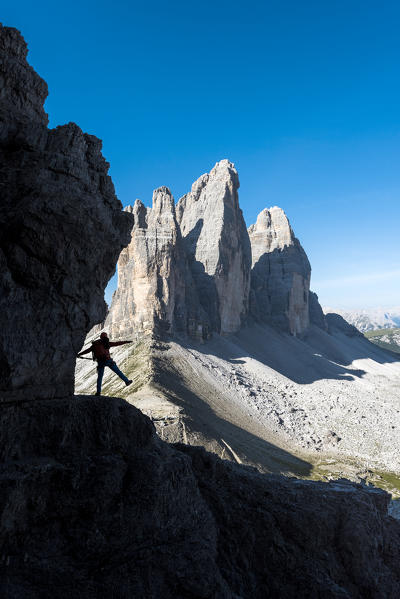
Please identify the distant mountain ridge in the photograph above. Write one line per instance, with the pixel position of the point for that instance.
(369, 319)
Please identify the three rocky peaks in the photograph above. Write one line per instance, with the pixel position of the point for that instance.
(195, 268)
(94, 504)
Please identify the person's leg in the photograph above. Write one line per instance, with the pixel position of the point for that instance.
(100, 372)
(111, 364)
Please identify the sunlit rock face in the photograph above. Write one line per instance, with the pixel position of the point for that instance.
(187, 267)
(61, 231)
(280, 275)
(151, 294)
(218, 247)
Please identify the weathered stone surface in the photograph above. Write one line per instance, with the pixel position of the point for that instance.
(337, 324)
(94, 505)
(217, 243)
(155, 292)
(190, 277)
(305, 540)
(317, 316)
(61, 230)
(280, 275)
(22, 92)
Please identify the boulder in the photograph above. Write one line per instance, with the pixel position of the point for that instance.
(280, 274)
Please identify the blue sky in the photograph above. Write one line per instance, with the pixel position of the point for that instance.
(304, 98)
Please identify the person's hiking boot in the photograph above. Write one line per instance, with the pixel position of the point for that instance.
(97, 393)
(128, 383)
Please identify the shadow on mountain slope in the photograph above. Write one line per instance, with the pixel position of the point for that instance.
(271, 278)
(204, 421)
(318, 355)
(205, 283)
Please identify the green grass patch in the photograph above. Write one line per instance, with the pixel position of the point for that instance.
(380, 332)
(351, 469)
(390, 344)
(136, 365)
(389, 481)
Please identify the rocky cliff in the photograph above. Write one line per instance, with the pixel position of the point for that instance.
(317, 316)
(336, 323)
(93, 503)
(217, 243)
(280, 274)
(61, 230)
(186, 270)
(151, 273)
(156, 293)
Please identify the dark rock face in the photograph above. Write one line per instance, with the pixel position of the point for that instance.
(280, 274)
(317, 316)
(337, 324)
(61, 230)
(305, 539)
(95, 505)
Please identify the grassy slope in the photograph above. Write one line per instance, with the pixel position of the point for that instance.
(394, 337)
(139, 362)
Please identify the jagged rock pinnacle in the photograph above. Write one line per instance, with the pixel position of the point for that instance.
(151, 293)
(217, 243)
(280, 276)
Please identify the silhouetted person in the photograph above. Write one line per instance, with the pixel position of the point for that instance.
(101, 353)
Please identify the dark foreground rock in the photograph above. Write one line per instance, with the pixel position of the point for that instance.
(61, 231)
(287, 538)
(95, 505)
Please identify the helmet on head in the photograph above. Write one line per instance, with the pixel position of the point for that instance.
(103, 336)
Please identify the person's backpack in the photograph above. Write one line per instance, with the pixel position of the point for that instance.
(99, 352)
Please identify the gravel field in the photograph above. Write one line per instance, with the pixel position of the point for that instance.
(269, 399)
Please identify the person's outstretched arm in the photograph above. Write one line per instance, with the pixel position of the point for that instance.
(115, 343)
(81, 353)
